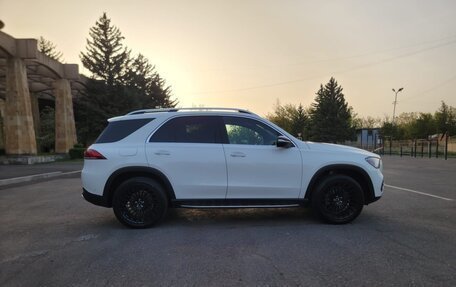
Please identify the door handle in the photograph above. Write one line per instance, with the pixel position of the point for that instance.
(237, 154)
(162, 152)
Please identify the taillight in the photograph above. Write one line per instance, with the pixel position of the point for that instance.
(93, 154)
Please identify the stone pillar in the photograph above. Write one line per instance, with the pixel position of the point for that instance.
(18, 121)
(65, 131)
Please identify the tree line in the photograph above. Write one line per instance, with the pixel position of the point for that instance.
(421, 125)
(328, 119)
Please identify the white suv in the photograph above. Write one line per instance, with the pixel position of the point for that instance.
(150, 160)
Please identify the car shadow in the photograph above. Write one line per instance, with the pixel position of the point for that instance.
(240, 216)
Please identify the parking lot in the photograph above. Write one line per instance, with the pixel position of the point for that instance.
(50, 236)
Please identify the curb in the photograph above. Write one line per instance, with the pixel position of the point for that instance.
(22, 179)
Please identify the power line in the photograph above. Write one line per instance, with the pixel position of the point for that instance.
(338, 58)
(398, 57)
(404, 55)
(437, 86)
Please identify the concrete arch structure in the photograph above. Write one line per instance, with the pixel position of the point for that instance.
(25, 76)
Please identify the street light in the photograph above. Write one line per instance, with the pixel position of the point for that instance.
(395, 102)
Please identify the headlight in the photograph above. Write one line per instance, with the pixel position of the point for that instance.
(374, 161)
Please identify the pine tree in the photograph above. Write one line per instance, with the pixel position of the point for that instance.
(330, 115)
(147, 85)
(106, 56)
(91, 110)
(119, 83)
(49, 49)
(299, 122)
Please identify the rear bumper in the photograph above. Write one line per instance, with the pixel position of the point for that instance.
(94, 199)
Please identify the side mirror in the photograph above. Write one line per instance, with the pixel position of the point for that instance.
(284, 142)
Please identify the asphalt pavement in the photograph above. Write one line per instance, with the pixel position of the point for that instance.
(51, 237)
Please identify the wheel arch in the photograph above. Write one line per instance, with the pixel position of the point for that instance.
(356, 172)
(125, 173)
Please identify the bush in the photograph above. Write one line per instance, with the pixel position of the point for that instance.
(2, 151)
(77, 151)
(46, 135)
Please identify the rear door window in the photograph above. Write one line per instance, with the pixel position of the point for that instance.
(192, 129)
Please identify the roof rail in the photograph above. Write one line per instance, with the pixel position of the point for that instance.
(145, 111)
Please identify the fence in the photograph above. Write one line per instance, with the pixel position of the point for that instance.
(438, 147)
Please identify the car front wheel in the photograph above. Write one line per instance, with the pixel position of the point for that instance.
(338, 199)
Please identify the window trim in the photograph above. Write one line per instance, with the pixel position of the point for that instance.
(221, 127)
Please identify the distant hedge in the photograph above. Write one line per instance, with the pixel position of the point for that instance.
(77, 151)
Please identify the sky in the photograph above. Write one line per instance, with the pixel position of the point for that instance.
(253, 54)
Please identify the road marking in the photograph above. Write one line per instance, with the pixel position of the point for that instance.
(71, 172)
(419, 192)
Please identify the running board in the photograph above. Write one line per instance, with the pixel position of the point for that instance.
(238, 203)
(239, 206)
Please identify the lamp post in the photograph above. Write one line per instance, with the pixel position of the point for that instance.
(395, 101)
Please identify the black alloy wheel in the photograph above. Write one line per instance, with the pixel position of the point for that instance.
(140, 202)
(338, 199)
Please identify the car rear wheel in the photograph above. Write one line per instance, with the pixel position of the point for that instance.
(338, 199)
(140, 202)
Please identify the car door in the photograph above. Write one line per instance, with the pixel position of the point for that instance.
(188, 150)
(257, 168)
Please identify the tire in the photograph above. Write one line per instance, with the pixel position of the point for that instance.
(338, 199)
(140, 202)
